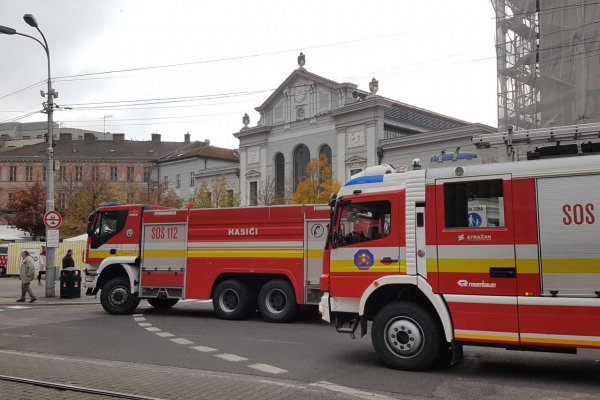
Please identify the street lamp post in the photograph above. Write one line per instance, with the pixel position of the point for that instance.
(49, 109)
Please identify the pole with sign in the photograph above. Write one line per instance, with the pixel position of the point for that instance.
(52, 220)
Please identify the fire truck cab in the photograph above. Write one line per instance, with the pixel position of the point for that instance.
(503, 254)
(244, 258)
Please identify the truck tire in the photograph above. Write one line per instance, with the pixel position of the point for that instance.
(277, 301)
(116, 297)
(232, 300)
(406, 336)
(162, 304)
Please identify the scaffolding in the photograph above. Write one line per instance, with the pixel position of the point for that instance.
(548, 69)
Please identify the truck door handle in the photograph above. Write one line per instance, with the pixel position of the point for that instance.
(388, 260)
(113, 251)
(498, 272)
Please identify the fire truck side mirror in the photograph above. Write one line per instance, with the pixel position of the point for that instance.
(332, 199)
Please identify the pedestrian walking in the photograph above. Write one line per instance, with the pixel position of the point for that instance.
(42, 265)
(27, 274)
(67, 261)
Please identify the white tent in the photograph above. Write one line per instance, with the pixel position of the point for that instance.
(80, 238)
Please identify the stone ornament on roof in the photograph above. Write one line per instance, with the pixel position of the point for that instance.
(373, 86)
(301, 60)
(246, 121)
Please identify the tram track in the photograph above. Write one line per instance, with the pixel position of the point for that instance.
(75, 388)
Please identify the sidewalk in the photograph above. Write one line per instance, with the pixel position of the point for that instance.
(10, 291)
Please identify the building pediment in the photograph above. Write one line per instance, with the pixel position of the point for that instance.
(252, 174)
(355, 160)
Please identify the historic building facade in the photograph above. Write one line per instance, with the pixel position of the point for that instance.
(308, 116)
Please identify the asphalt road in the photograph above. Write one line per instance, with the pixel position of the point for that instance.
(308, 350)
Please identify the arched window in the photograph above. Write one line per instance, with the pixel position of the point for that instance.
(325, 151)
(279, 175)
(301, 160)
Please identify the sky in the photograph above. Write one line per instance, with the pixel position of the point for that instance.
(171, 67)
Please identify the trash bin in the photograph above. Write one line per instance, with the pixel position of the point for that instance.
(70, 283)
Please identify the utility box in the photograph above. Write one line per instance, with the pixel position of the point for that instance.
(70, 283)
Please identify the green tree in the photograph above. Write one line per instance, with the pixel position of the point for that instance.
(317, 185)
(215, 193)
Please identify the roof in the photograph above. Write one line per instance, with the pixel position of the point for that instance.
(199, 149)
(95, 149)
(421, 117)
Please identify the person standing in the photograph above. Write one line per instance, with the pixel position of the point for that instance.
(67, 261)
(42, 264)
(27, 274)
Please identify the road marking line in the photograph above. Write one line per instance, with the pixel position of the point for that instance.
(18, 307)
(181, 341)
(144, 324)
(153, 329)
(230, 357)
(139, 319)
(138, 315)
(346, 390)
(164, 334)
(268, 368)
(204, 349)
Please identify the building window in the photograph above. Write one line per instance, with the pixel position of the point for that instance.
(78, 173)
(62, 173)
(279, 176)
(129, 174)
(230, 197)
(29, 173)
(61, 200)
(192, 180)
(209, 198)
(113, 174)
(95, 173)
(146, 174)
(301, 160)
(44, 174)
(130, 198)
(11, 197)
(355, 171)
(475, 204)
(254, 193)
(178, 181)
(326, 151)
(13, 174)
(166, 181)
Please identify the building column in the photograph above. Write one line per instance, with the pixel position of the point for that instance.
(341, 155)
(371, 142)
(243, 181)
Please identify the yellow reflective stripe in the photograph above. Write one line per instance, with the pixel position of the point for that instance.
(470, 336)
(528, 266)
(576, 342)
(106, 253)
(432, 265)
(473, 265)
(348, 266)
(246, 253)
(315, 254)
(157, 253)
(571, 265)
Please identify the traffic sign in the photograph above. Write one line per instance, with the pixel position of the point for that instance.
(52, 219)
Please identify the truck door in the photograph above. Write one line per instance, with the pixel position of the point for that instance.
(476, 257)
(366, 243)
(114, 233)
(315, 233)
(164, 253)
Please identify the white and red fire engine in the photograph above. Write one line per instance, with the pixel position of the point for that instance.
(504, 254)
(241, 258)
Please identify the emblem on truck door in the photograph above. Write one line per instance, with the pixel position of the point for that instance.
(363, 259)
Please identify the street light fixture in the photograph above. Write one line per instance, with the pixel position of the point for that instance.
(49, 109)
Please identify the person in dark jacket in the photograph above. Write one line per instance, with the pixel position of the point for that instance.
(67, 261)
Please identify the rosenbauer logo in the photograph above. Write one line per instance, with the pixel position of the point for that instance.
(474, 238)
(483, 284)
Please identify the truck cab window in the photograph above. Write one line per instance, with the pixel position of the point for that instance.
(363, 222)
(107, 225)
(475, 204)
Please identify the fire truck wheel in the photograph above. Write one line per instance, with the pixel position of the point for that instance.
(232, 300)
(161, 304)
(405, 336)
(116, 297)
(277, 301)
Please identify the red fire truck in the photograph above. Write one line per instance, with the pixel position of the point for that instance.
(241, 258)
(503, 254)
